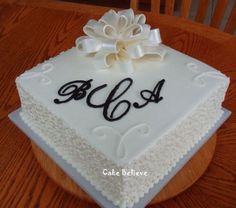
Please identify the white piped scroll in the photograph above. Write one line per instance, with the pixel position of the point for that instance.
(199, 78)
(109, 133)
(43, 79)
(120, 37)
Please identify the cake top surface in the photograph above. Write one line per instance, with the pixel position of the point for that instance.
(121, 113)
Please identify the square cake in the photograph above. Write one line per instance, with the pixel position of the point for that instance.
(121, 107)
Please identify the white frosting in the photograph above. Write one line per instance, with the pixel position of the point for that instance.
(188, 82)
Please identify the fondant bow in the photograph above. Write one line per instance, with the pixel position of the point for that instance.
(120, 37)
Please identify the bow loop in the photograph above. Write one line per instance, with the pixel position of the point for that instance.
(109, 32)
(94, 29)
(109, 18)
(122, 23)
(88, 45)
(128, 13)
(140, 19)
(119, 38)
(132, 32)
(154, 37)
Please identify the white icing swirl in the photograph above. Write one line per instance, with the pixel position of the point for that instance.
(107, 132)
(199, 78)
(44, 79)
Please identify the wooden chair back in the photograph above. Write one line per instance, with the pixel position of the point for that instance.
(201, 13)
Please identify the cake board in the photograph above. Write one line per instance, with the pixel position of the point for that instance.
(171, 185)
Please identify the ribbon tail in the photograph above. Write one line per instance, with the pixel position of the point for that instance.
(124, 62)
(157, 51)
(138, 51)
(154, 38)
(126, 65)
(103, 59)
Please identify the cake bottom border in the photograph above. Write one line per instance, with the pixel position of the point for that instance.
(86, 185)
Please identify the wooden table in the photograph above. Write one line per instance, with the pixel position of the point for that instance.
(31, 34)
